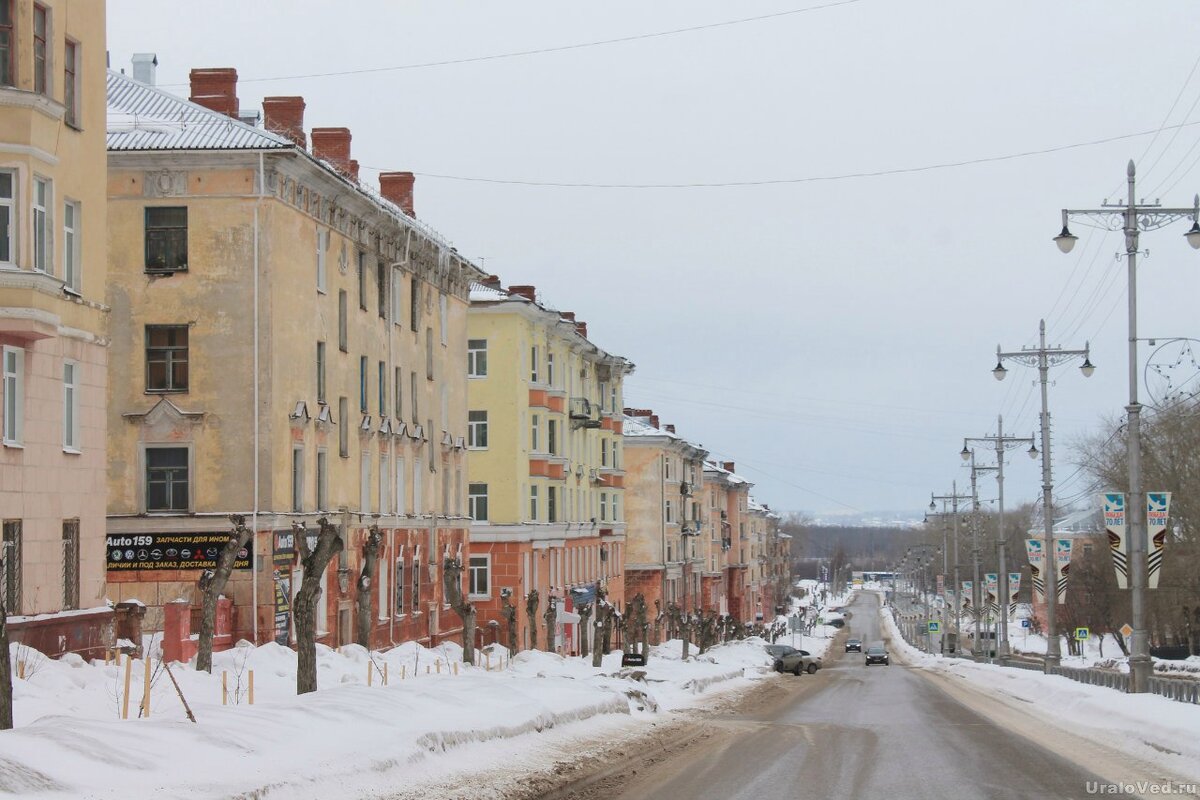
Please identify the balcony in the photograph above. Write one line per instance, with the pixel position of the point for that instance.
(584, 413)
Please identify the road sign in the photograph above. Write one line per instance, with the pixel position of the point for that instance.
(935, 626)
(1082, 634)
(1025, 623)
(1126, 630)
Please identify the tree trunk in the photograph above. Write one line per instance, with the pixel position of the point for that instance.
(510, 619)
(314, 562)
(585, 615)
(551, 620)
(6, 687)
(531, 607)
(212, 583)
(452, 570)
(608, 629)
(685, 628)
(603, 610)
(365, 579)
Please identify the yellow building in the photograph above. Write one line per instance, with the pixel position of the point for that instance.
(291, 346)
(546, 470)
(53, 319)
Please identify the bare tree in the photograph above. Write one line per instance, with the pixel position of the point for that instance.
(585, 616)
(452, 569)
(604, 612)
(370, 551)
(531, 607)
(550, 617)
(212, 583)
(314, 561)
(658, 621)
(509, 611)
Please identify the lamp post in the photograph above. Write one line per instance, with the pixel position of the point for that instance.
(953, 498)
(1132, 218)
(976, 586)
(1043, 358)
(1001, 443)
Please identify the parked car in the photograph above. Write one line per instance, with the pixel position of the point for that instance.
(797, 661)
(877, 654)
(777, 650)
(836, 622)
(854, 644)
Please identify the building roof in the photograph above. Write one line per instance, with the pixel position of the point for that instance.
(732, 477)
(638, 426)
(142, 117)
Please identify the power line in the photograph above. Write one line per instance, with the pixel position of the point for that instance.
(543, 50)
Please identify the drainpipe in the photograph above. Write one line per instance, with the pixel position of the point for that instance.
(254, 512)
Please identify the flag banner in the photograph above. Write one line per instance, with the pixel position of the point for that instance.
(1062, 566)
(991, 582)
(1014, 587)
(941, 585)
(1158, 509)
(967, 594)
(1035, 549)
(1114, 523)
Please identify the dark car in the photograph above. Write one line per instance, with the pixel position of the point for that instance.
(877, 654)
(854, 644)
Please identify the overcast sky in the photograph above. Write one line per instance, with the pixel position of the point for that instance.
(832, 337)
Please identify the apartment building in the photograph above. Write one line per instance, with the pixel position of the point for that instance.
(53, 322)
(547, 472)
(290, 347)
(728, 496)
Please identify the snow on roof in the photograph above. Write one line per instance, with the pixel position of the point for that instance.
(712, 466)
(639, 426)
(486, 294)
(141, 117)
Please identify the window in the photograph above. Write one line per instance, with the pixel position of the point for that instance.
(344, 427)
(362, 280)
(8, 48)
(477, 429)
(167, 479)
(552, 504)
(362, 384)
(385, 483)
(604, 452)
(12, 566)
(166, 239)
(478, 583)
(397, 299)
(364, 483)
(477, 501)
(413, 384)
(401, 587)
(550, 368)
(297, 478)
(533, 503)
(7, 208)
(552, 437)
(322, 480)
(321, 372)
(41, 56)
(416, 581)
(666, 468)
(14, 395)
(70, 85)
(70, 563)
(382, 389)
(322, 247)
(71, 254)
(166, 358)
(604, 506)
(414, 306)
(443, 316)
(670, 511)
(43, 236)
(384, 593)
(533, 364)
(381, 287)
(616, 513)
(342, 339)
(429, 353)
(71, 406)
(534, 430)
(477, 358)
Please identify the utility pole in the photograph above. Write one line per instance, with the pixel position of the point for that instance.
(953, 499)
(1132, 217)
(1001, 443)
(976, 586)
(1043, 358)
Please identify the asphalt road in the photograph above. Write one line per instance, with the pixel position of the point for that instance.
(852, 731)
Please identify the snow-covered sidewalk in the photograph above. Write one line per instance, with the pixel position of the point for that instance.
(1148, 727)
(348, 739)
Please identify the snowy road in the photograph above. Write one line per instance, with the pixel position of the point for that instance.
(857, 732)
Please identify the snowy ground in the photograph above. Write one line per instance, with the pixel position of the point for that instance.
(1148, 727)
(348, 739)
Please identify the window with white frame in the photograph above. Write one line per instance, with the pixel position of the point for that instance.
(14, 395)
(43, 230)
(364, 483)
(297, 478)
(533, 503)
(534, 355)
(72, 267)
(477, 358)
(401, 586)
(322, 246)
(71, 406)
(670, 511)
(477, 501)
(604, 506)
(535, 425)
(550, 368)
(8, 217)
(604, 452)
(477, 430)
(479, 583)
(71, 83)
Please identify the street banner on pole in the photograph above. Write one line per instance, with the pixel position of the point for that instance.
(991, 583)
(941, 585)
(1114, 523)
(1035, 549)
(1014, 585)
(1158, 508)
(1062, 565)
(967, 593)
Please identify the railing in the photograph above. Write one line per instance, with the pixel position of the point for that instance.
(1183, 690)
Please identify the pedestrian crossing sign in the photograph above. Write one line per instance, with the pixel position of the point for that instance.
(1082, 634)
(935, 626)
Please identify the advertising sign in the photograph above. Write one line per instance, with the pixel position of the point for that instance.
(967, 593)
(1062, 565)
(1114, 524)
(283, 548)
(283, 606)
(1158, 509)
(127, 552)
(1035, 549)
(991, 585)
(941, 585)
(1014, 588)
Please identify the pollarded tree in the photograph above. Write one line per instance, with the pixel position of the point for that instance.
(452, 570)
(212, 583)
(370, 551)
(314, 560)
(585, 616)
(509, 611)
(551, 620)
(531, 607)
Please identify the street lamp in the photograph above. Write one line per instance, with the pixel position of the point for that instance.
(1043, 358)
(1132, 218)
(953, 498)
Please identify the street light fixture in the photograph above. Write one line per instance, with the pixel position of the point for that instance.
(965, 453)
(1132, 217)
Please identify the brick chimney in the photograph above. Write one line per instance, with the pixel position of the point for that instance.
(397, 187)
(727, 466)
(654, 420)
(492, 282)
(669, 428)
(569, 315)
(637, 412)
(333, 145)
(285, 116)
(581, 329)
(528, 292)
(216, 89)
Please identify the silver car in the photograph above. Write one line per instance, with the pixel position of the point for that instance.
(797, 661)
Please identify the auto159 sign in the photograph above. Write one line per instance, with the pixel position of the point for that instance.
(169, 551)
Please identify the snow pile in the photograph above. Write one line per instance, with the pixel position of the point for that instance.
(349, 737)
